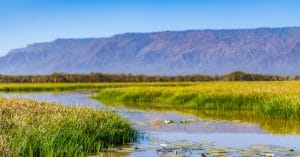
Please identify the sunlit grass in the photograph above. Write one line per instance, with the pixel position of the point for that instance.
(30, 87)
(267, 99)
(30, 128)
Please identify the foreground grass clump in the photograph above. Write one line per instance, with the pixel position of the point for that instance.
(267, 99)
(30, 128)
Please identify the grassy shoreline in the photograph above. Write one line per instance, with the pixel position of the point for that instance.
(30, 128)
(267, 99)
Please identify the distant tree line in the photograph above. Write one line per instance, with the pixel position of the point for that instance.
(100, 77)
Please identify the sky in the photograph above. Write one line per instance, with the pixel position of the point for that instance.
(23, 22)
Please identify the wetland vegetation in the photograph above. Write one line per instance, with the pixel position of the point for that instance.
(280, 100)
(50, 87)
(31, 128)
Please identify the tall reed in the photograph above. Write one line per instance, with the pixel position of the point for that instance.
(30, 128)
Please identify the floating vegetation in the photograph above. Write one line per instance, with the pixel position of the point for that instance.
(169, 121)
(209, 149)
(160, 122)
(30, 128)
(187, 121)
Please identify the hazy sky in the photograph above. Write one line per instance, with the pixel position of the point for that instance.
(28, 21)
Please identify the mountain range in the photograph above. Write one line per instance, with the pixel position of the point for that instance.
(261, 50)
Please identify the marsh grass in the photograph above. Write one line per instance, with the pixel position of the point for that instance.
(31, 87)
(266, 99)
(30, 128)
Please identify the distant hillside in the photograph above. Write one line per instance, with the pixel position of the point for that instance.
(263, 50)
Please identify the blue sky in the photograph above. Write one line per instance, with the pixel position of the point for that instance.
(28, 21)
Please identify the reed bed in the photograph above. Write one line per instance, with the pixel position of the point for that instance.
(267, 99)
(30, 128)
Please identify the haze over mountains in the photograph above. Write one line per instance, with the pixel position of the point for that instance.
(262, 50)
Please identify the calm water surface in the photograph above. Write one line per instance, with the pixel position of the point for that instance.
(186, 128)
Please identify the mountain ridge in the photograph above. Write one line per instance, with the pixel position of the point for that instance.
(260, 50)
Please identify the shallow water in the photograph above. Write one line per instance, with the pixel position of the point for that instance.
(211, 131)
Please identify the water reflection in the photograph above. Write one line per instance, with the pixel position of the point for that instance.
(274, 126)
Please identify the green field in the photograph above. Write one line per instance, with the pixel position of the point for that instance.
(266, 99)
(32, 87)
(30, 128)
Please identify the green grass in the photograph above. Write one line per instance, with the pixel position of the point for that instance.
(31, 87)
(30, 128)
(270, 125)
(267, 99)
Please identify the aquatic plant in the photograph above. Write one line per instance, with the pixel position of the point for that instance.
(30, 128)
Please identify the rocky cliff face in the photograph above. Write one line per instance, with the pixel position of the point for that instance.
(263, 50)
